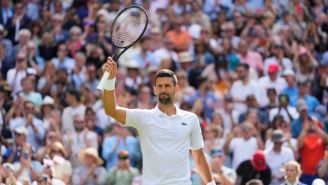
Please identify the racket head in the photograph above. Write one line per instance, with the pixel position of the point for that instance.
(128, 26)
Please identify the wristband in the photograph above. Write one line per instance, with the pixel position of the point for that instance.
(211, 183)
(109, 85)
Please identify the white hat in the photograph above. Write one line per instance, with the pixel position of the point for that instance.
(288, 72)
(48, 101)
(21, 130)
(185, 57)
(318, 182)
(91, 152)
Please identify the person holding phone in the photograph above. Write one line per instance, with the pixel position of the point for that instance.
(167, 133)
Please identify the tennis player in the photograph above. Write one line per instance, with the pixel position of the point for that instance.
(167, 133)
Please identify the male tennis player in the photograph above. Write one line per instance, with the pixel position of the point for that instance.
(167, 133)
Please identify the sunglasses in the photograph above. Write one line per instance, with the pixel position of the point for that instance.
(123, 157)
(42, 178)
(56, 151)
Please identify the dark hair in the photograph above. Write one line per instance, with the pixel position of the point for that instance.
(244, 65)
(166, 73)
(74, 93)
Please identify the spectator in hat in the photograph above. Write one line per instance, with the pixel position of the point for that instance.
(278, 58)
(291, 90)
(8, 174)
(254, 168)
(318, 182)
(91, 172)
(221, 173)
(185, 60)
(278, 156)
(133, 79)
(61, 168)
(311, 144)
(50, 117)
(122, 173)
(273, 79)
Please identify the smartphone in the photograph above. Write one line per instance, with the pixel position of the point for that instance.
(26, 155)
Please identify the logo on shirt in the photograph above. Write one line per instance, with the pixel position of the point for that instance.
(183, 123)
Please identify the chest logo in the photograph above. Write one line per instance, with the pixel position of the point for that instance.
(183, 123)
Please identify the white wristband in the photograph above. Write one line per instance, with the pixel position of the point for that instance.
(211, 183)
(109, 85)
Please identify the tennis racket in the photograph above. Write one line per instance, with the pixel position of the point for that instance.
(127, 29)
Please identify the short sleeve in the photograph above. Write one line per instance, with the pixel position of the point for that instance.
(196, 137)
(134, 117)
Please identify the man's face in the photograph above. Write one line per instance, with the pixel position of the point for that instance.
(79, 123)
(165, 90)
(241, 71)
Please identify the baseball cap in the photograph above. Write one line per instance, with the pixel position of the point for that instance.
(277, 136)
(258, 161)
(21, 130)
(272, 68)
(216, 152)
(288, 72)
(318, 182)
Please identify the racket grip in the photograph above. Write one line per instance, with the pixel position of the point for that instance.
(104, 78)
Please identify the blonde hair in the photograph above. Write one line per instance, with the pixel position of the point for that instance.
(295, 164)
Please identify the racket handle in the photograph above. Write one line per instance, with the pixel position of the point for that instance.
(104, 78)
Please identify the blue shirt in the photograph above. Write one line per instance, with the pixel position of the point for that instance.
(297, 127)
(291, 92)
(109, 152)
(208, 101)
(310, 101)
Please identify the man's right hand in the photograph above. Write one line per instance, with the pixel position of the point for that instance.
(111, 67)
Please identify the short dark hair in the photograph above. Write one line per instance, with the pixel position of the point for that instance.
(74, 93)
(166, 73)
(244, 65)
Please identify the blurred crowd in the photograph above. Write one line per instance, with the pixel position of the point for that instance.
(255, 72)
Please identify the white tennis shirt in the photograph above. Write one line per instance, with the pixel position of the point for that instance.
(165, 143)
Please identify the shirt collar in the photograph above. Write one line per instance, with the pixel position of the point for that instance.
(159, 113)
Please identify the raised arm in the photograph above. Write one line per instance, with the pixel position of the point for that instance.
(109, 97)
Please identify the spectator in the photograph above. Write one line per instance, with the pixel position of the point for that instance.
(288, 112)
(278, 156)
(273, 80)
(122, 173)
(28, 93)
(79, 139)
(120, 139)
(34, 125)
(62, 60)
(75, 107)
(225, 175)
(311, 143)
(243, 147)
(91, 173)
(254, 168)
(323, 167)
(292, 172)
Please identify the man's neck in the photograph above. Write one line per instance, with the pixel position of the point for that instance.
(75, 104)
(167, 109)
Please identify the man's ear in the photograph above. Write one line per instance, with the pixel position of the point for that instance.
(154, 90)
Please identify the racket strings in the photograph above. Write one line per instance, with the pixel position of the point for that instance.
(128, 27)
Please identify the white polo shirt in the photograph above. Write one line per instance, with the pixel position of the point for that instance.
(165, 144)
